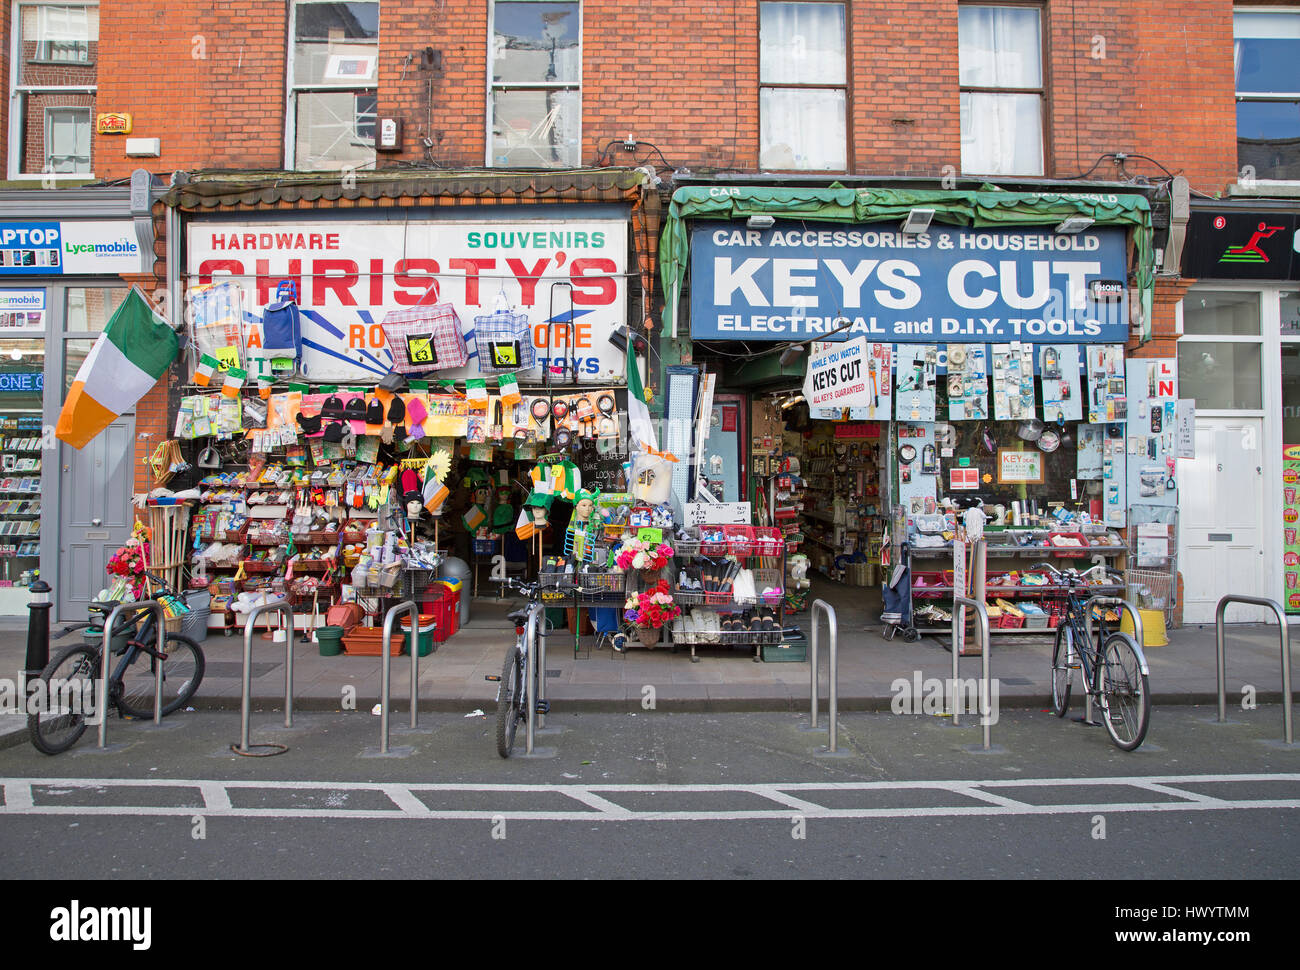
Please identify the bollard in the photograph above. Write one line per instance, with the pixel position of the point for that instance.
(982, 628)
(535, 615)
(38, 630)
(833, 700)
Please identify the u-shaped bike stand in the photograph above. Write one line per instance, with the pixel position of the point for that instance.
(265, 750)
(156, 611)
(1284, 641)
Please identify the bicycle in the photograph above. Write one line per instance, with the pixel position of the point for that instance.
(71, 679)
(512, 693)
(1111, 666)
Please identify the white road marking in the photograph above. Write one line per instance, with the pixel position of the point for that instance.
(601, 802)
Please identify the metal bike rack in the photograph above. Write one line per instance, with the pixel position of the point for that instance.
(1139, 637)
(156, 611)
(982, 628)
(530, 671)
(1284, 641)
(386, 664)
(541, 669)
(833, 700)
(284, 609)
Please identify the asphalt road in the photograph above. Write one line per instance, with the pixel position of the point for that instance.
(659, 795)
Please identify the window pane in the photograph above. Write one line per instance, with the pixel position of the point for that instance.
(1001, 134)
(23, 363)
(1266, 51)
(89, 308)
(536, 42)
(58, 45)
(335, 43)
(74, 352)
(1268, 138)
(335, 129)
(1000, 47)
(536, 129)
(801, 43)
(56, 132)
(1290, 312)
(1221, 313)
(1291, 394)
(802, 129)
(22, 308)
(1220, 376)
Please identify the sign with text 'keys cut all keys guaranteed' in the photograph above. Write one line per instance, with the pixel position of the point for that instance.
(949, 284)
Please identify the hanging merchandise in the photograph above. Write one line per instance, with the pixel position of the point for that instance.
(1013, 381)
(879, 369)
(504, 342)
(652, 476)
(206, 368)
(584, 527)
(1088, 454)
(232, 381)
(1150, 430)
(217, 318)
(503, 513)
(914, 391)
(425, 337)
(282, 330)
(967, 383)
(508, 385)
(1107, 397)
(1059, 367)
(917, 467)
(476, 393)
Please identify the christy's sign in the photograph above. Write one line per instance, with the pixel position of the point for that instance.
(949, 284)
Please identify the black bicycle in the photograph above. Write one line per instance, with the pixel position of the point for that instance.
(71, 680)
(1111, 666)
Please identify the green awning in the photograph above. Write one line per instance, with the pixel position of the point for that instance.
(988, 207)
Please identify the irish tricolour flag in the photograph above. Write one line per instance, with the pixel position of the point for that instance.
(130, 356)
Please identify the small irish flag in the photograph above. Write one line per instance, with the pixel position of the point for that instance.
(207, 367)
(128, 359)
(233, 381)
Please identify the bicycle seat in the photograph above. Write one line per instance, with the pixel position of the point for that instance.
(518, 617)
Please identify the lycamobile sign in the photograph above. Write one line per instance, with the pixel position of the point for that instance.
(67, 248)
(948, 284)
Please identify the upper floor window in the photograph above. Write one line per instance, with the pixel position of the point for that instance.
(803, 93)
(535, 85)
(333, 98)
(55, 48)
(1265, 56)
(1001, 76)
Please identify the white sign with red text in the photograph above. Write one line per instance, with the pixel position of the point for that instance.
(566, 275)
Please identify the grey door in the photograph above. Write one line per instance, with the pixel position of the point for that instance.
(95, 513)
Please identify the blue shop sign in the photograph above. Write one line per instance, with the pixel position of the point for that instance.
(22, 382)
(950, 284)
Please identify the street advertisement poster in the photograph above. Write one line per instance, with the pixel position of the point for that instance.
(1107, 401)
(69, 248)
(1088, 454)
(1291, 525)
(918, 375)
(1013, 381)
(566, 276)
(1059, 366)
(1153, 402)
(967, 383)
(950, 283)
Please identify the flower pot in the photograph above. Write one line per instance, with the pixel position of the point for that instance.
(649, 577)
(649, 635)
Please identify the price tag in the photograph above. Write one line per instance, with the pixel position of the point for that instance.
(227, 357)
(652, 536)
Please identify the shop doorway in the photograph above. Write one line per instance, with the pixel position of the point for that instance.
(1221, 515)
(95, 513)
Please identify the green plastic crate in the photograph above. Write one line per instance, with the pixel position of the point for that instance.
(785, 653)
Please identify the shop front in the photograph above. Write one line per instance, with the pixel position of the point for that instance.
(65, 261)
(911, 355)
(1239, 357)
(428, 384)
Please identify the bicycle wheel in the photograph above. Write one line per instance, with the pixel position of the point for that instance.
(70, 681)
(1125, 692)
(182, 674)
(1062, 656)
(510, 702)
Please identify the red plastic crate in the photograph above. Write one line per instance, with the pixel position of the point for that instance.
(740, 539)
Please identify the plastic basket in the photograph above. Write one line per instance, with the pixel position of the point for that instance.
(768, 541)
(740, 539)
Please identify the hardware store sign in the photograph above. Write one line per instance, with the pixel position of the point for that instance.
(566, 275)
(799, 281)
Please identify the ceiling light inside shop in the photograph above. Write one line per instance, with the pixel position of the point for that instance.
(15, 355)
(1073, 224)
(917, 221)
(791, 402)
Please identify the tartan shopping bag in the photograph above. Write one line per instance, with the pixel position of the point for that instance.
(425, 338)
(504, 342)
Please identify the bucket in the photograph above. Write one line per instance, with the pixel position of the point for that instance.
(1153, 627)
(330, 639)
(427, 626)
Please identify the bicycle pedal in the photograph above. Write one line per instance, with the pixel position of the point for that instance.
(543, 707)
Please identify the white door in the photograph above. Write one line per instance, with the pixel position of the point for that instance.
(1221, 515)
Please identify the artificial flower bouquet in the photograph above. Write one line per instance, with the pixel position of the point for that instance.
(651, 608)
(639, 554)
(131, 560)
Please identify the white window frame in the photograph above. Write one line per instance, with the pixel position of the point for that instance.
(1040, 92)
(1256, 96)
(493, 86)
(292, 90)
(778, 86)
(17, 97)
